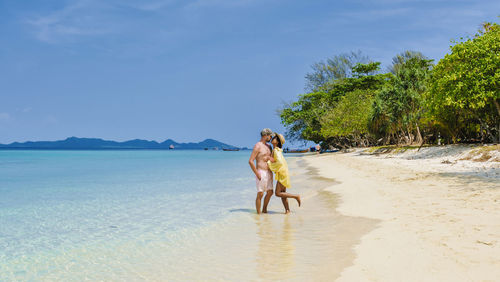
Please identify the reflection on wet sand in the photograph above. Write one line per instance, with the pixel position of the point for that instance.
(314, 242)
(275, 255)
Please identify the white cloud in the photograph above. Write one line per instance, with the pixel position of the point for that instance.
(91, 18)
(79, 18)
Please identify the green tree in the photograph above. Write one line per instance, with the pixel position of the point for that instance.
(333, 69)
(348, 120)
(303, 118)
(400, 59)
(344, 121)
(466, 83)
(397, 108)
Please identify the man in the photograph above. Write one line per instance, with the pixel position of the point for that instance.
(263, 175)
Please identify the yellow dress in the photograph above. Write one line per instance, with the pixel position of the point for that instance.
(280, 167)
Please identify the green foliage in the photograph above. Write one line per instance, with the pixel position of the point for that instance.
(303, 117)
(360, 70)
(469, 76)
(333, 69)
(350, 103)
(350, 117)
(362, 79)
(398, 106)
(400, 59)
(465, 86)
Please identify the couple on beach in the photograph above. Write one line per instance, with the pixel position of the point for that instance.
(268, 161)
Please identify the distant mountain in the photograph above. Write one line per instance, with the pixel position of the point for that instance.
(75, 143)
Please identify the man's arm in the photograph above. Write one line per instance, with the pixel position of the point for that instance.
(251, 161)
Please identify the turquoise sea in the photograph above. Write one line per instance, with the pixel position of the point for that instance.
(98, 214)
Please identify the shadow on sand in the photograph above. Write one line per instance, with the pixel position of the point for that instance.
(253, 211)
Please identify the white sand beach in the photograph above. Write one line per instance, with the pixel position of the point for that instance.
(438, 212)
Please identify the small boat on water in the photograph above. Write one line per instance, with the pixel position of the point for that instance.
(171, 147)
(226, 149)
(297, 151)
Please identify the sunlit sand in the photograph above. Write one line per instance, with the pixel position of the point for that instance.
(434, 225)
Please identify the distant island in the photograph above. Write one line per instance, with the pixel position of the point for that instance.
(75, 143)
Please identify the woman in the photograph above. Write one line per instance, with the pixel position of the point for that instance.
(278, 165)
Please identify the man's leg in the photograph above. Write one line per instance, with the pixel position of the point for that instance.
(258, 200)
(266, 200)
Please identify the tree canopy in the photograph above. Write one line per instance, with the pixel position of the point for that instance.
(466, 82)
(349, 102)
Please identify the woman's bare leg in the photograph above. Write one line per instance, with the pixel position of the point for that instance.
(283, 195)
(285, 204)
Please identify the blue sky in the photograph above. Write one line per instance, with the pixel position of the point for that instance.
(190, 70)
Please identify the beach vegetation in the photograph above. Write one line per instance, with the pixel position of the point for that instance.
(484, 153)
(464, 94)
(349, 102)
(337, 111)
(390, 149)
(397, 109)
(333, 69)
(349, 119)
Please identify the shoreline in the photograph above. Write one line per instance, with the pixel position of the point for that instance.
(314, 242)
(435, 223)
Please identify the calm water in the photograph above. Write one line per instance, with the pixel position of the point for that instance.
(72, 214)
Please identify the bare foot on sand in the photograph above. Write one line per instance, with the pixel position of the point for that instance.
(298, 200)
(287, 212)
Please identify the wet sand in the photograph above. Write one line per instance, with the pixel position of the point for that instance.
(313, 243)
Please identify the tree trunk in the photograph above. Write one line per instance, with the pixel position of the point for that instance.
(497, 105)
(420, 140)
(481, 132)
(409, 141)
(486, 128)
(498, 132)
